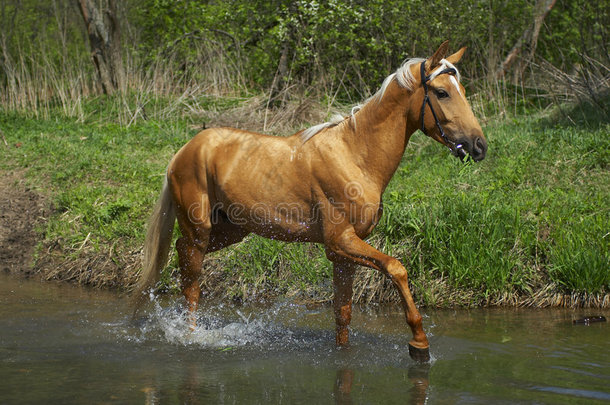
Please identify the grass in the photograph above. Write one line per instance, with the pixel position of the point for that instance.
(533, 217)
(535, 211)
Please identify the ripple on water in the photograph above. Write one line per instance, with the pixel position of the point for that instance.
(574, 392)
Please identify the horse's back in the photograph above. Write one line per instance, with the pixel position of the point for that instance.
(221, 150)
(239, 167)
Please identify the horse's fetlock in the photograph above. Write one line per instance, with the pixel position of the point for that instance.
(415, 320)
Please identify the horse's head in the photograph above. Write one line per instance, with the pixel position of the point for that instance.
(445, 114)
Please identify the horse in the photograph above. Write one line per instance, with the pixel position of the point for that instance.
(320, 185)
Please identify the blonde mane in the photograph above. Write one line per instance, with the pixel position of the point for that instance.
(403, 76)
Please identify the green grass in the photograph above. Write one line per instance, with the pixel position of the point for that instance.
(101, 177)
(536, 208)
(534, 213)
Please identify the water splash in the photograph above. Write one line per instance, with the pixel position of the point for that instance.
(214, 329)
(225, 327)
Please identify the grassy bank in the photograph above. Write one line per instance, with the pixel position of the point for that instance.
(527, 226)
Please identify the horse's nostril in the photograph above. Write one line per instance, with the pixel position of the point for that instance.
(479, 146)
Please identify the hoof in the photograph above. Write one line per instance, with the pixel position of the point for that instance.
(419, 355)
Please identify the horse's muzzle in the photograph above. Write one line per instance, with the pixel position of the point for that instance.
(475, 146)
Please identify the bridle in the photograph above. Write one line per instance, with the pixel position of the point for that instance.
(456, 149)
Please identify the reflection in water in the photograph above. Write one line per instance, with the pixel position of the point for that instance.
(191, 392)
(343, 386)
(150, 398)
(418, 375)
(218, 330)
(55, 340)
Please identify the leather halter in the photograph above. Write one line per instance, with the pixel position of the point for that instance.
(456, 149)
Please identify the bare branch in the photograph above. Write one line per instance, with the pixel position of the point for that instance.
(529, 39)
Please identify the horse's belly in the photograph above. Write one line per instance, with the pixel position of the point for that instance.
(281, 221)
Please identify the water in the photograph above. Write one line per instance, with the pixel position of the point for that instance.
(63, 344)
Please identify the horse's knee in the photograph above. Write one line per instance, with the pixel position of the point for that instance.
(337, 246)
(397, 272)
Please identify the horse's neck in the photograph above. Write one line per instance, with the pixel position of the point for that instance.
(381, 132)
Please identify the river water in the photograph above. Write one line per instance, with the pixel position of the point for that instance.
(64, 344)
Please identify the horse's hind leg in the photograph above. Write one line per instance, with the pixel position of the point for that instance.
(190, 257)
(195, 226)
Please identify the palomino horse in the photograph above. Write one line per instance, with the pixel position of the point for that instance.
(321, 185)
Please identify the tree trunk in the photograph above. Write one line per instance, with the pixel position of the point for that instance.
(279, 80)
(105, 41)
(116, 59)
(527, 42)
(6, 63)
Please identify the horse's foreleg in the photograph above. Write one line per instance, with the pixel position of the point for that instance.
(349, 245)
(343, 277)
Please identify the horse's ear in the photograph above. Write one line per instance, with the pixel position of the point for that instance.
(455, 58)
(435, 59)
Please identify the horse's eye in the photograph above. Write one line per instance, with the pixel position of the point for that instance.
(441, 93)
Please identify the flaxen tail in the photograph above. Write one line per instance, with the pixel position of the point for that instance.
(156, 246)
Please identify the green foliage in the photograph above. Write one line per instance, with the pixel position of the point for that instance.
(579, 256)
(31, 28)
(72, 157)
(345, 47)
(271, 266)
(574, 29)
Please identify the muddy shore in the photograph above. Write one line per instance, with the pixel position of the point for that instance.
(22, 211)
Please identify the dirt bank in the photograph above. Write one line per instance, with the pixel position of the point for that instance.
(24, 250)
(22, 211)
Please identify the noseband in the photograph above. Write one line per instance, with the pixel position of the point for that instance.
(456, 149)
